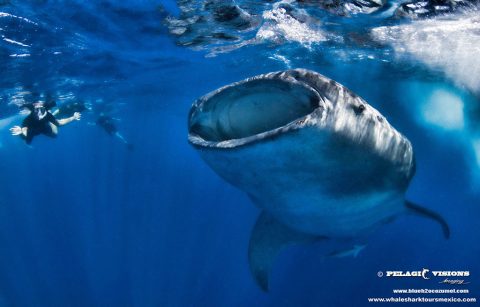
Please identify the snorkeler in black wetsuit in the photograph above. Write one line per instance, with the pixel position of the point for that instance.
(108, 124)
(40, 121)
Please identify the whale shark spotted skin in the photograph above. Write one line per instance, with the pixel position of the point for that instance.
(315, 157)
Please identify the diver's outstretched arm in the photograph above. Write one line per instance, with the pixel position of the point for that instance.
(64, 121)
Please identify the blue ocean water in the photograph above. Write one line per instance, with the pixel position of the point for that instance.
(84, 221)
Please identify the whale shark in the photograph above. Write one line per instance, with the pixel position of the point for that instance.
(316, 158)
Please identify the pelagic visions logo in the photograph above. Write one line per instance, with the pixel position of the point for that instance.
(448, 277)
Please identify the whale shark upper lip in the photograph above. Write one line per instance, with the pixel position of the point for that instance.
(314, 110)
(199, 141)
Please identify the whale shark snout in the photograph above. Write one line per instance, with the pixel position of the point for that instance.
(315, 157)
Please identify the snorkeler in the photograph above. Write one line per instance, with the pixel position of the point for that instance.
(108, 124)
(41, 121)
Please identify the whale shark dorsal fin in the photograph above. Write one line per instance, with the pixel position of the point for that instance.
(414, 208)
(267, 239)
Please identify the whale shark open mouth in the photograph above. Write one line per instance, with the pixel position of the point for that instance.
(248, 108)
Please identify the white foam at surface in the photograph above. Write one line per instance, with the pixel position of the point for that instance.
(278, 24)
(450, 45)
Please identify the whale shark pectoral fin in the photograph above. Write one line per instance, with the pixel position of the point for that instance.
(267, 239)
(414, 208)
